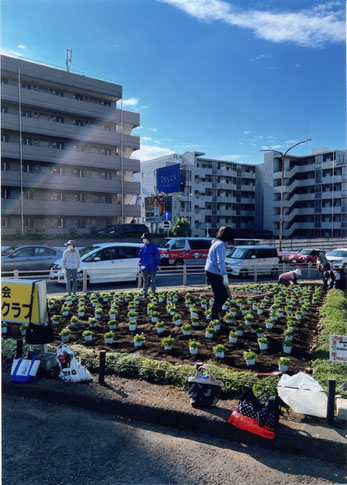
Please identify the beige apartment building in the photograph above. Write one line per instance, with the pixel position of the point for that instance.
(65, 152)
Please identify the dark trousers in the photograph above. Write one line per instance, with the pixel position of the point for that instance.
(284, 282)
(219, 292)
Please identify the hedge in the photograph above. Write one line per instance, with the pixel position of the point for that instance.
(333, 322)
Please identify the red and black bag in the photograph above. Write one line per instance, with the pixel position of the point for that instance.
(256, 416)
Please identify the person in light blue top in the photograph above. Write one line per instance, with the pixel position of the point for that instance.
(216, 274)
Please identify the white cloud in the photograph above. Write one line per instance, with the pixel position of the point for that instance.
(130, 102)
(146, 138)
(261, 57)
(275, 147)
(234, 157)
(11, 52)
(147, 152)
(153, 129)
(246, 132)
(144, 107)
(311, 27)
(290, 142)
(21, 46)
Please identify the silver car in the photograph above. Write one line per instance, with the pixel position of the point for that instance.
(30, 258)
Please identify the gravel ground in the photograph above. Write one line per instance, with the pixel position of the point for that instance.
(53, 444)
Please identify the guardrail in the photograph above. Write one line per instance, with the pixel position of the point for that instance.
(183, 273)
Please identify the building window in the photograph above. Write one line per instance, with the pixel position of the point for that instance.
(27, 140)
(26, 114)
(5, 138)
(79, 97)
(26, 85)
(4, 109)
(4, 80)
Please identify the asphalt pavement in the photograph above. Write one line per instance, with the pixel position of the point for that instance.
(45, 444)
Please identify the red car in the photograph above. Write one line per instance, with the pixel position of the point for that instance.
(303, 257)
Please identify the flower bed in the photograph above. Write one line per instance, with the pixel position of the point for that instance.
(184, 304)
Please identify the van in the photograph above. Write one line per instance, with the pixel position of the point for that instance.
(245, 260)
(184, 250)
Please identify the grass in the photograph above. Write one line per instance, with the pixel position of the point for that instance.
(333, 322)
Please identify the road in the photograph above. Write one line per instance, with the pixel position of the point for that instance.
(46, 444)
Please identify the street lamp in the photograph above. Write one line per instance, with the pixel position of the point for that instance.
(282, 176)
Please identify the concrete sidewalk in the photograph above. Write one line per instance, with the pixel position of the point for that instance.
(169, 406)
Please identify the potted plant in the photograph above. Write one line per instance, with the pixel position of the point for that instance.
(160, 327)
(195, 321)
(112, 324)
(92, 322)
(233, 311)
(209, 332)
(108, 337)
(219, 351)
(132, 316)
(270, 323)
(81, 311)
(193, 312)
(233, 337)
(65, 310)
(23, 328)
(298, 315)
(288, 309)
(56, 319)
(260, 309)
(287, 346)
(211, 301)
(150, 308)
(4, 327)
(263, 343)
(74, 321)
(193, 347)
(65, 334)
(186, 329)
(288, 334)
(279, 313)
(161, 297)
(88, 335)
(112, 313)
(240, 329)
(69, 301)
(260, 332)
(254, 306)
(138, 340)
(229, 317)
(154, 316)
(216, 324)
(177, 319)
(238, 302)
(132, 326)
(249, 319)
(98, 313)
(225, 306)
(283, 364)
(249, 357)
(168, 343)
(207, 314)
(51, 302)
(137, 299)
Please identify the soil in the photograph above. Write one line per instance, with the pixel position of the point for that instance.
(266, 360)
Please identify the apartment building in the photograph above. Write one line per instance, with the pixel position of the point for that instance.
(213, 192)
(314, 194)
(66, 150)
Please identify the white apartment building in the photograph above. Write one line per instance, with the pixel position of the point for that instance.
(66, 150)
(314, 194)
(213, 192)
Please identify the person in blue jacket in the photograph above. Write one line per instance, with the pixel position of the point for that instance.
(149, 262)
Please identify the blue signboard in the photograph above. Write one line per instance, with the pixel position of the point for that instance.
(167, 216)
(168, 179)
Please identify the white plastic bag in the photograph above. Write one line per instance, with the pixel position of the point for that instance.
(303, 394)
(71, 370)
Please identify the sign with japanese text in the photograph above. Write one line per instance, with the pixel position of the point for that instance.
(16, 299)
(338, 348)
(169, 179)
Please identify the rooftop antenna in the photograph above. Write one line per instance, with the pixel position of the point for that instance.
(68, 59)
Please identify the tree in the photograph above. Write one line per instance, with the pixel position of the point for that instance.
(181, 227)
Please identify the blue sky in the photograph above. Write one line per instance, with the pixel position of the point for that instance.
(222, 77)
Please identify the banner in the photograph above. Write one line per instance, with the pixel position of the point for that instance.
(16, 298)
(155, 207)
(169, 179)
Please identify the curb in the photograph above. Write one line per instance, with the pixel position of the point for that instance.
(299, 441)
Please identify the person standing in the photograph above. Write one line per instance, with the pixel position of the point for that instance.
(149, 262)
(289, 277)
(322, 262)
(216, 274)
(70, 265)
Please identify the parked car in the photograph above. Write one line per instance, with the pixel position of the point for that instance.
(124, 229)
(338, 258)
(104, 263)
(304, 257)
(30, 258)
(184, 250)
(284, 255)
(243, 260)
(8, 250)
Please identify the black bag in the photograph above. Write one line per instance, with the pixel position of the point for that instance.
(38, 334)
(203, 389)
(265, 413)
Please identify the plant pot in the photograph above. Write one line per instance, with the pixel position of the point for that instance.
(248, 323)
(225, 307)
(131, 319)
(260, 311)
(208, 335)
(263, 346)
(289, 337)
(138, 344)
(240, 332)
(298, 317)
(280, 314)
(109, 340)
(282, 368)
(69, 303)
(160, 330)
(132, 327)
(55, 322)
(193, 350)
(4, 330)
(168, 347)
(186, 332)
(80, 314)
(195, 324)
(94, 304)
(112, 316)
(216, 327)
(97, 316)
(161, 299)
(154, 319)
(269, 325)
(254, 307)
(219, 355)
(65, 314)
(260, 335)
(88, 338)
(233, 340)
(177, 323)
(193, 314)
(112, 327)
(250, 361)
(23, 332)
(208, 317)
(65, 338)
(287, 350)
(228, 321)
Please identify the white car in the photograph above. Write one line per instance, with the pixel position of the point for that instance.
(245, 260)
(338, 258)
(104, 263)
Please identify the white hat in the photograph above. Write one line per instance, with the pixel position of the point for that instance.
(298, 272)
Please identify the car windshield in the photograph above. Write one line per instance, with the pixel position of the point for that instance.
(87, 249)
(239, 253)
(7, 251)
(339, 253)
(164, 243)
(305, 251)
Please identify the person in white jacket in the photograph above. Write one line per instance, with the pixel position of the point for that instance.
(70, 265)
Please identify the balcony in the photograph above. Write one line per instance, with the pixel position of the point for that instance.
(59, 208)
(69, 131)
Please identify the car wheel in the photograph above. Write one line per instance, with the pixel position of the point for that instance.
(179, 262)
(274, 272)
(243, 273)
